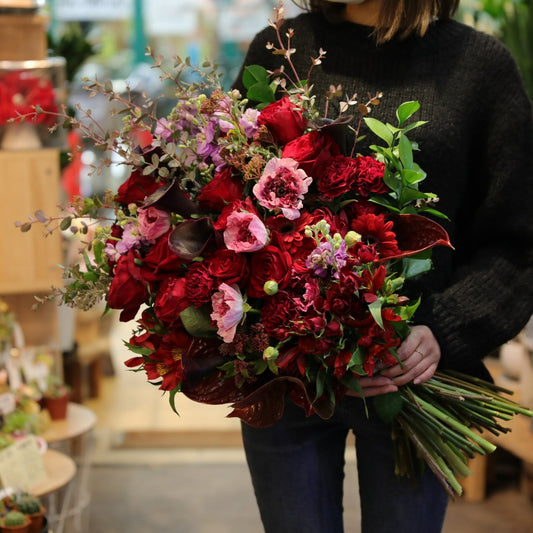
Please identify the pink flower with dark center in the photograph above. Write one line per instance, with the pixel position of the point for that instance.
(245, 232)
(153, 222)
(227, 310)
(282, 186)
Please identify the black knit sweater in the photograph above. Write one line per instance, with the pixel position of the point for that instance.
(476, 149)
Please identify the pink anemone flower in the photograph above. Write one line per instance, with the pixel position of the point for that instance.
(282, 186)
(245, 232)
(227, 310)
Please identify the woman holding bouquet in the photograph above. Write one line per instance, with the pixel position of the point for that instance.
(476, 150)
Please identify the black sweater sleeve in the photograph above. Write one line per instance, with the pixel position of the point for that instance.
(490, 296)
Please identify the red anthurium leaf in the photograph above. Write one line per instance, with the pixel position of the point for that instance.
(416, 233)
(265, 406)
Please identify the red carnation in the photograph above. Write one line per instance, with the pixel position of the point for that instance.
(369, 176)
(337, 176)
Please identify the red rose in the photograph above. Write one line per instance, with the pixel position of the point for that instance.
(221, 190)
(171, 300)
(283, 119)
(128, 290)
(369, 176)
(336, 176)
(200, 284)
(160, 261)
(311, 150)
(272, 262)
(229, 266)
(136, 188)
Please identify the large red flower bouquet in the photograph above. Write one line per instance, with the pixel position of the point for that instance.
(21, 91)
(263, 260)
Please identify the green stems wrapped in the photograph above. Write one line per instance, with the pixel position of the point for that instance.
(441, 421)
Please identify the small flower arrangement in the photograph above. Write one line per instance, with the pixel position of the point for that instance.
(21, 92)
(7, 324)
(262, 259)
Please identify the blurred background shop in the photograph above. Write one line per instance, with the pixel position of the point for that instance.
(120, 459)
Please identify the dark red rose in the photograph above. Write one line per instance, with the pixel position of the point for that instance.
(283, 119)
(369, 176)
(221, 190)
(272, 262)
(200, 284)
(336, 176)
(229, 267)
(310, 344)
(128, 290)
(278, 314)
(136, 188)
(311, 150)
(160, 261)
(339, 300)
(171, 299)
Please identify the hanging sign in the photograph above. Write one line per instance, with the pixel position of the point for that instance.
(89, 10)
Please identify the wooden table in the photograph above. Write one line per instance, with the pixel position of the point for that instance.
(60, 470)
(80, 420)
(73, 437)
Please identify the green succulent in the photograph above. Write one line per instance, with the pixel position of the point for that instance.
(28, 504)
(14, 518)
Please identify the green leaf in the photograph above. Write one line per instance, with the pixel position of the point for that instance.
(388, 406)
(415, 267)
(350, 381)
(375, 310)
(406, 110)
(254, 74)
(197, 322)
(407, 311)
(139, 350)
(414, 125)
(380, 129)
(172, 398)
(406, 152)
(261, 92)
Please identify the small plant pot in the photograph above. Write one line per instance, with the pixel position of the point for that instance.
(38, 521)
(25, 528)
(57, 407)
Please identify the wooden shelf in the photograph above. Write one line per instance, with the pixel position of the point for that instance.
(29, 261)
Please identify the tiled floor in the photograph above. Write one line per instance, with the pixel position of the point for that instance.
(200, 489)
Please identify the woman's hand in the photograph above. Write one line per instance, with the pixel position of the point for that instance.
(419, 354)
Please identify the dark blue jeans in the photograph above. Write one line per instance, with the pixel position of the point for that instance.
(297, 470)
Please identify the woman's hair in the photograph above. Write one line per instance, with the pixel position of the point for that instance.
(396, 17)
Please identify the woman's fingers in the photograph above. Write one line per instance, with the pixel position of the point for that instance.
(374, 386)
(419, 354)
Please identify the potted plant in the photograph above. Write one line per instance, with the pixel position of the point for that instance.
(32, 507)
(56, 398)
(15, 522)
